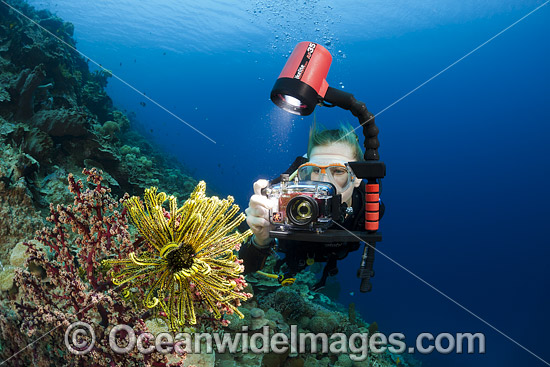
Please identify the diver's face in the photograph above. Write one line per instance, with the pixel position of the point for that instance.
(336, 153)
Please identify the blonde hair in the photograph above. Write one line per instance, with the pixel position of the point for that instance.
(345, 134)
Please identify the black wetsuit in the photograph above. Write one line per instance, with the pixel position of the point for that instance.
(297, 252)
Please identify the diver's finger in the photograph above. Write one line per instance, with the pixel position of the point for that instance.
(257, 212)
(257, 223)
(260, 201)
(259, 185)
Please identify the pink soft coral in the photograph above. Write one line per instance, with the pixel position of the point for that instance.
(69, 285)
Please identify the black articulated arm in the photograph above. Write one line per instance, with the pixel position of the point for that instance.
(372, 170)
(366, 119)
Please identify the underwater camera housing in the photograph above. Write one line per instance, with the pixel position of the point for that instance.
(302, 206)
(305, 211)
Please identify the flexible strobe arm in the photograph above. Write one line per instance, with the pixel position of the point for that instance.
(366, 119)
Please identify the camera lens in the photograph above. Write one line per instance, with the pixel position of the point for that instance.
(302, 210)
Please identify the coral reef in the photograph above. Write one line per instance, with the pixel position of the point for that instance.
(55, 117)
(62, 281)
(279, 308)
(284, 307)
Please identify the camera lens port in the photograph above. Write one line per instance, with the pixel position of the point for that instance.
(302, 210)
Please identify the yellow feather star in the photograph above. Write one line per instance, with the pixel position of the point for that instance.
(195, 259)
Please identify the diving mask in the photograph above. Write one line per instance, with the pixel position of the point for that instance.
(339, 174)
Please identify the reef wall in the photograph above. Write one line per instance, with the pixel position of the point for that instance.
(56, 118)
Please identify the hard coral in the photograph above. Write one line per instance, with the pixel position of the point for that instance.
(109, 129)
(19, 216)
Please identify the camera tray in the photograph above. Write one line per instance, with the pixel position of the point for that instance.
(329, 235)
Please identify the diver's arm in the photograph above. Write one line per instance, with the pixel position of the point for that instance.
(257, 214)
(255, 251)
(254, 255)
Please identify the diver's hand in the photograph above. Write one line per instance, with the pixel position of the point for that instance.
(257, 214)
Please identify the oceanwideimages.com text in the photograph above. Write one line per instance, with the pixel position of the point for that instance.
(80, 339)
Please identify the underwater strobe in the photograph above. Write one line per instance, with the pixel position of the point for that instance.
(300, 87)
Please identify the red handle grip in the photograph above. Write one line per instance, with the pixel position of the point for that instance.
(372, 207)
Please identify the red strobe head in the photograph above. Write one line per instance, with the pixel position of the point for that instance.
(302, 83)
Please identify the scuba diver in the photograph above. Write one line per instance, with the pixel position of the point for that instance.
(328, 154)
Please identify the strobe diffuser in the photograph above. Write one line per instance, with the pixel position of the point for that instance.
(302, 83)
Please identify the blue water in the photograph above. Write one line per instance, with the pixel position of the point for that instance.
(467, 154)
